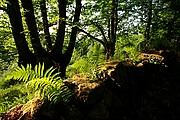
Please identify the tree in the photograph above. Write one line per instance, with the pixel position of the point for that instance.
(105, 23)
(149, 20)
(108, 20)
(53, 55)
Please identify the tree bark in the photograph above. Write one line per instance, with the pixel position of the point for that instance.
(46, 25)
(25, 55)
(50, 58)
(114, 26)
(149, 23)
(31, 23)
(112, 31)
(57, 49)
(68, 54)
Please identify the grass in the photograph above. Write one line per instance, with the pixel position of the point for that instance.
(14, 95)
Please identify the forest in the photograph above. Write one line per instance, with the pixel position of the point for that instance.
(89, 59)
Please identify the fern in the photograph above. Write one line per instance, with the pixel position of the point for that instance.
(21, 73)
(48, 83)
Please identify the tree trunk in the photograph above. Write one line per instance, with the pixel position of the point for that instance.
(25, 55)
(31, 23)
(149, 23)
(108, 41)
(46, 25)
(68, 54)
(62, 60)
(112, 28)
(54, 56)
(57, 48)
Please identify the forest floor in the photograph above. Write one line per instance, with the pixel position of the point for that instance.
(123, 90)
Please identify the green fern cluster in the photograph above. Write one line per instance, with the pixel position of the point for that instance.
(48, 83)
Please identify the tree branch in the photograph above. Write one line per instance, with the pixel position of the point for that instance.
(89, 35)
(102, 32)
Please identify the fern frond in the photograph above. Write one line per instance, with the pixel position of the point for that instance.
(36, 70)
(47, 71)
(26, 74)
(42, 69)
(49, 74)
(39, 70)
(23, 68)
(48, 83)
(55, 77)
(53, 90)
(21, 73)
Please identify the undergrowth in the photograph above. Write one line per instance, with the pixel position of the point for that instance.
(126, 47)
(87, 63)
(12, 94)
(20, 86)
